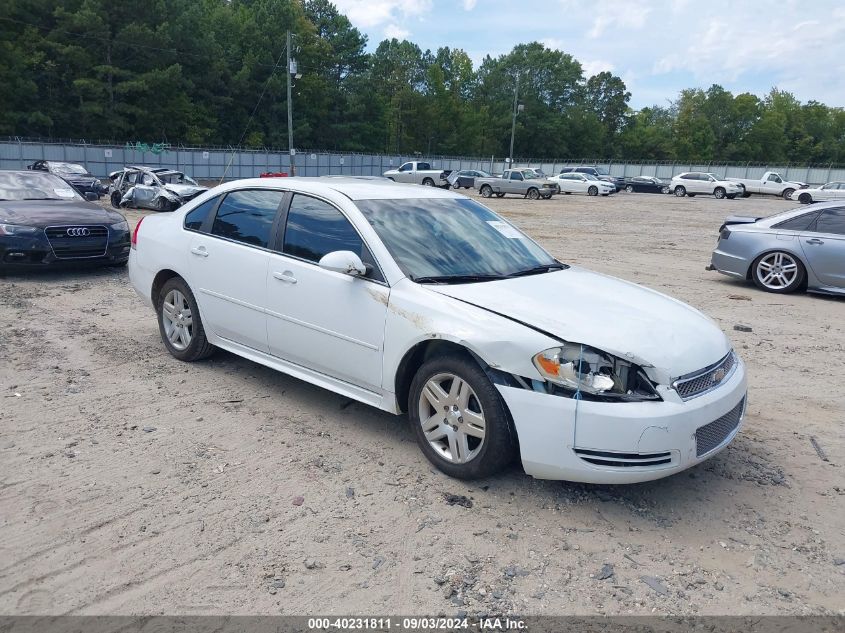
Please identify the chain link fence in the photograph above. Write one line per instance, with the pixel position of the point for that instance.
(216, 163)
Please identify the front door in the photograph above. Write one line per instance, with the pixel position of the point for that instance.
(326, 321)
(229, 266)
(824, 247)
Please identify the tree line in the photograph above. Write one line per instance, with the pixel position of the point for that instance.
(212, 72)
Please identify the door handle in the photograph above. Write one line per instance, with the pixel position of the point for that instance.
(815, 240)
(286, 276)
(200, 250)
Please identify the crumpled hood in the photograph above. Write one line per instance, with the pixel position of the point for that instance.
(615, 316)
(185, 191)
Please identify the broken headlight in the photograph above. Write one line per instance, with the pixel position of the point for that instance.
(574, 369)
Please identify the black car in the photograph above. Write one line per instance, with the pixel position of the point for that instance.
(465, 179)
(599, 172)
(44, 222)
(74, 174)
(646, 184)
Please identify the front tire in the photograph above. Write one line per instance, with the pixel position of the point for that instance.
(460, 421)
(500, 195)
(534, 194)
(787, 193)
(680, 191)
(593, 191)
(486, 191)
(115, 199)
(179, 322)
(719, 193)
(778, 272)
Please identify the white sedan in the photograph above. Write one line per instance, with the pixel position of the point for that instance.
(574, 182)
(425, 301)
(830, 191)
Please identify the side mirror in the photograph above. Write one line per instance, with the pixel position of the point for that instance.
(345, 262)
(90, 196)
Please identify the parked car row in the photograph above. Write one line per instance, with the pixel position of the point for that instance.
(77, 176)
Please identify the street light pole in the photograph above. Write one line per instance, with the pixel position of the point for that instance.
(291, 151)
(513, 121)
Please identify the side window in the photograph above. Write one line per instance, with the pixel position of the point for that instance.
(423, 166)
(247, 216)
(799, 223)
(687, 176)
(195, 218)
(147, 180)
(316, 228)
(774, 178)
(515, 175)
(831, 221)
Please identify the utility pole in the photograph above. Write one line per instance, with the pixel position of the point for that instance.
(290, 73)
(516, 108)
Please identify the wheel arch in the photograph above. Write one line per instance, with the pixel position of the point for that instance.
(161, 278)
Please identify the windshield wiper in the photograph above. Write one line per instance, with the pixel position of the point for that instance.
(546, 268)
(456, 279)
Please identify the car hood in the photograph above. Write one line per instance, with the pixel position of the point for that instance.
(185, 190)
(43, 213)
(615, 316)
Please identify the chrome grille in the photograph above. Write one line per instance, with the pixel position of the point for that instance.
(708, 378)
(712, 435)
(78, 241)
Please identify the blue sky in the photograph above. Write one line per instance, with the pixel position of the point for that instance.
(658, 47)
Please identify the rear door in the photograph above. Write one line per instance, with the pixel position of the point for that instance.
(824, 247)
(326, 321)
(229, 265)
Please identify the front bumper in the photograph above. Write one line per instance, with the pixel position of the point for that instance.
(552, 428)
(36, 251)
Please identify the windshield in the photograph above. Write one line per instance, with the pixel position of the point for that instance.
(16, 185)
(68, 168)
(715, 176)
(601, 171)
(454, 237)
(176, 178)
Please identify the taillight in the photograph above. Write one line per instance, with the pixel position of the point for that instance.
(725, 233)
(135, 233)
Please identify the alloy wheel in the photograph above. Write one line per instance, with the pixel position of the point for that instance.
(777, 271)
(451, 417)
(177, 320)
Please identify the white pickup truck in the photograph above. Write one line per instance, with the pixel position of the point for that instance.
(771, 184)
(419, 173)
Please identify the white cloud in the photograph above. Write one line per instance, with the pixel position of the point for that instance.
(469, 5)
(394, 30)
(595, 66)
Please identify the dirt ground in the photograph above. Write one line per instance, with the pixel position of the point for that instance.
(132, 483)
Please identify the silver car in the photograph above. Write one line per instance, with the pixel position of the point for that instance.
(803, 248)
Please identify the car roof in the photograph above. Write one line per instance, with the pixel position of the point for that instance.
(792, 213)
(353, 187)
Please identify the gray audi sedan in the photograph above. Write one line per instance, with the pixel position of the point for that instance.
(803, 248)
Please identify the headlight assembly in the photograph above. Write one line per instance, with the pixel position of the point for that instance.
(17, 229)
(123, 225)
(579, 370)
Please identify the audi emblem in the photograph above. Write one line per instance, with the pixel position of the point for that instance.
(79, 232)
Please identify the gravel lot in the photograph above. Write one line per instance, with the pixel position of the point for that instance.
(133, 483)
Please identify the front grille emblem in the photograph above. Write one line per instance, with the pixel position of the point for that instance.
(718, 375)
(78, 232)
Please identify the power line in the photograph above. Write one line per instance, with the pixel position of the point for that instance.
(254, 110)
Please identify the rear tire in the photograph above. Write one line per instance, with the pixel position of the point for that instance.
(115, 199)
(593, 191)
(629, 188)
(805, 198)
(778, 272)
(486, 191)
(680, 191)
(427, 182)
(745, 194)
(430, 410)
(731, 196)
(500, 195)
(170, 308)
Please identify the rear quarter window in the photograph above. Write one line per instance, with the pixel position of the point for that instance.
(798, 223)
(195, 218)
